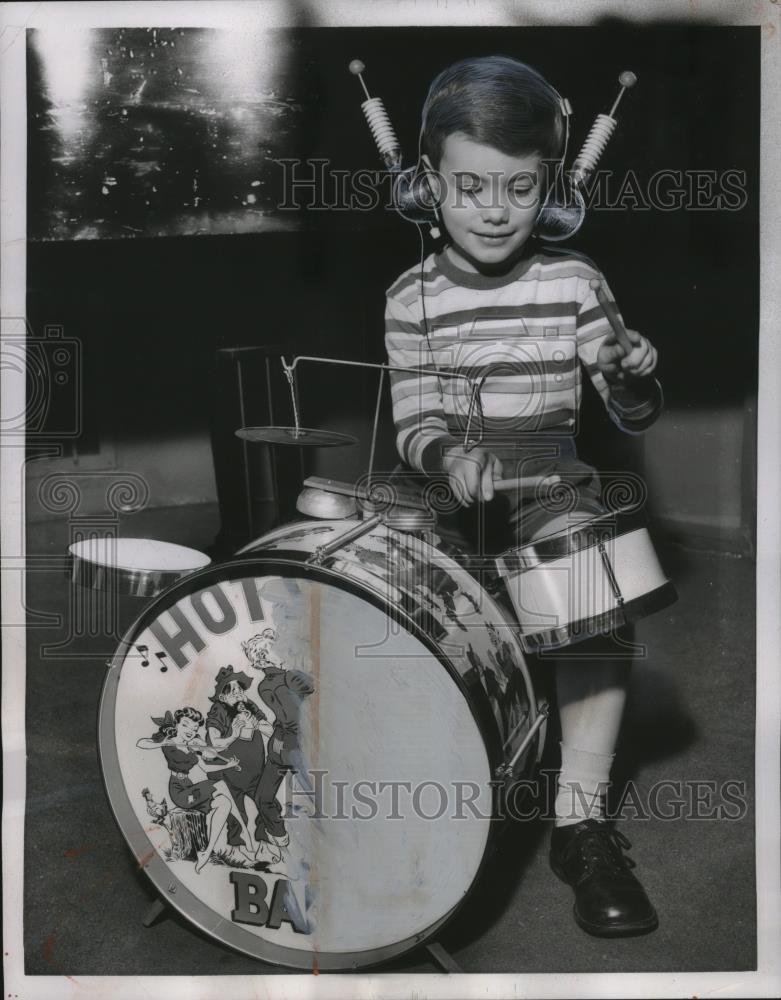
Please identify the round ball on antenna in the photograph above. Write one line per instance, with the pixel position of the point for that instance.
(627, 78)
(594, 284)
(357, 67)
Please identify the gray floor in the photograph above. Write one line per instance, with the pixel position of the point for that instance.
(690, 717)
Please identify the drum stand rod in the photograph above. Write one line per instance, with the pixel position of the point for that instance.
(375, 428)
(475, 400)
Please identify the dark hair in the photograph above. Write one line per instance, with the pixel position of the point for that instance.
(168, 723)
(496, 101)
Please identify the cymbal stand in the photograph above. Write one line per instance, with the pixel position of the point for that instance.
(475, 402)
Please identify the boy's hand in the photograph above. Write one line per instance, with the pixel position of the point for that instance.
(619, 369)
(471, 473)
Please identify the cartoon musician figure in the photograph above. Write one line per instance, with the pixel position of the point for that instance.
(236, 725)
(282, 691)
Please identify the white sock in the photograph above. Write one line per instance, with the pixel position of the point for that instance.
(582, 785)
(591, 698)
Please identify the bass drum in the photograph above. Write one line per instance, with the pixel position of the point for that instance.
(306, 755)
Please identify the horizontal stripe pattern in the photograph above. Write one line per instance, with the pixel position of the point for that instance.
(525, 343)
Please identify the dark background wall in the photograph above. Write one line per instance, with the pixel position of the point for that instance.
(150, 310)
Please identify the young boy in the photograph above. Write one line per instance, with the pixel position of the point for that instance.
(495, 304)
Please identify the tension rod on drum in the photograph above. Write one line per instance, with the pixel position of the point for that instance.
(475, 403)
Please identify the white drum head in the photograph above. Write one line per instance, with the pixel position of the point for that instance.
(383, 747)
(562, 523)
(147, 554)
(140, 567)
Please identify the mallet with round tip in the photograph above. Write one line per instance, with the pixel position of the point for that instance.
(357, 67)
(627, 79)
(604, 125)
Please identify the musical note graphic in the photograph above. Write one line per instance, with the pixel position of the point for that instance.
(161, 657)
(143, 650)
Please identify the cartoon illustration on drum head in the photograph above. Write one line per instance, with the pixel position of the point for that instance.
(243, 761)
(192, 790)
(282, 691)
(210, 754)
(236, 727)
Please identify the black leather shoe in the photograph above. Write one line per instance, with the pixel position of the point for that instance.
(609, 901)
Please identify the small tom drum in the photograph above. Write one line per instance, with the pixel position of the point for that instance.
(136, 567)
(581, 576)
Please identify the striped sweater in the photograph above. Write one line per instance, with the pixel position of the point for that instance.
(523, 337)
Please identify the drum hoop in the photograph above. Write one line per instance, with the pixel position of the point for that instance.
(569, 541)
(625, 614)
(127, 582)
(360, 491)
(196, 911)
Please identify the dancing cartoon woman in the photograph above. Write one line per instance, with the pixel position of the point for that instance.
(190, 760)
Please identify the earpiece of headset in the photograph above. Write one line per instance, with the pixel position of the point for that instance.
(414, 198)
(562, 210)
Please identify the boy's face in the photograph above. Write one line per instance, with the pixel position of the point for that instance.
(490, 202)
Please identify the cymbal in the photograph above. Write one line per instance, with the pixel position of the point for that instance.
(301, 436)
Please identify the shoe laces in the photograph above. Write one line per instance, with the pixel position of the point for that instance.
(602, 850)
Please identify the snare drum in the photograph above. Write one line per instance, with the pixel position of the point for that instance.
(137, 567)
(397, 701)
(581, 576)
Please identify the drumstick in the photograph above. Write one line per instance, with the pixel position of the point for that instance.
(526, 483)
(610, 311)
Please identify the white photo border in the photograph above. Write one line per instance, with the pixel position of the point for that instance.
(15, 19)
